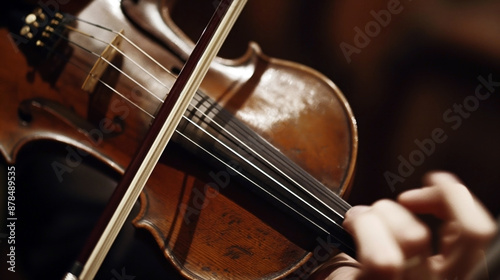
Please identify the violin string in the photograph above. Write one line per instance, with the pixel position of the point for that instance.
(206, 132)
(251, 181)
(127, 99)
(120, 34)
(262, 158)
(119, 70)
(99, 56)
(297, 171)
(166, 70)
(280, 171)
(126, 39)
(86, 72)
(342, 243)
(276, 181)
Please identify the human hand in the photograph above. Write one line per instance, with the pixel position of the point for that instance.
(394, 244)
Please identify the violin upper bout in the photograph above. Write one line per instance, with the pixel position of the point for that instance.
(300, 111)
(297, 109)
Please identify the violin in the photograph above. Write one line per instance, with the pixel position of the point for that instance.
(250, 185)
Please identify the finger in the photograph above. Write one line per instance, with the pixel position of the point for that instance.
(392, 242)
(439, 178)
(450, 200)
(410, 233)
(430, 200)
(459, 253)
(477, 213)
(450, 233)
(378, 250)
(468, 225)
(413, 237)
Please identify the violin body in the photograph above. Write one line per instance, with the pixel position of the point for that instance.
(206, 223)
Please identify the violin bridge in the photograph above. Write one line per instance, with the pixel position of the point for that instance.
(102, 63)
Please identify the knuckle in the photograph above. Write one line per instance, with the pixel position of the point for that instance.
(480, 234)
(452, 188)
(384, 204)
(417, 235)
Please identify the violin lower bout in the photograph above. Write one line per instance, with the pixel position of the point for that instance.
(211, 227)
